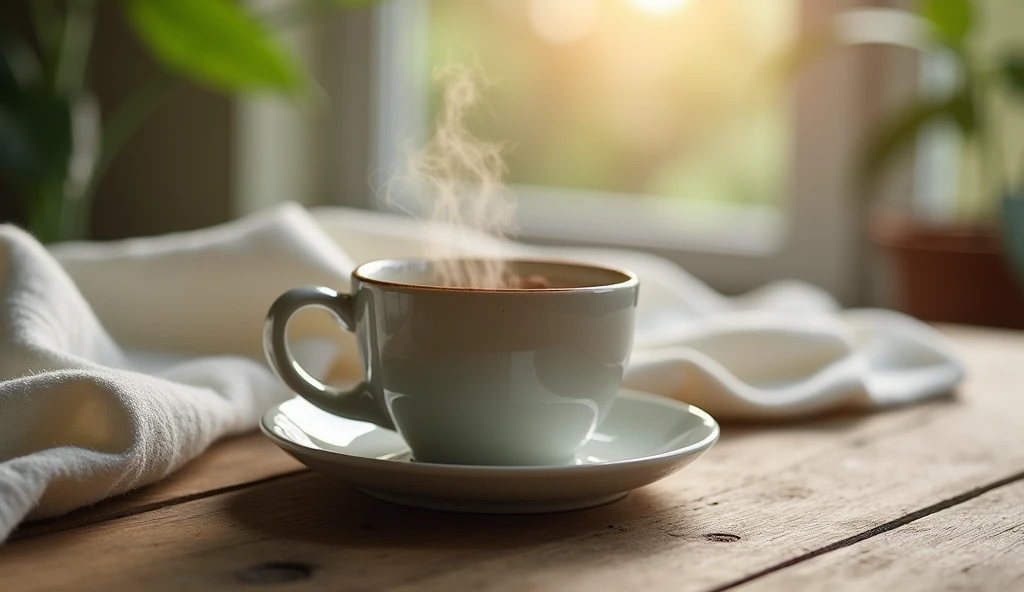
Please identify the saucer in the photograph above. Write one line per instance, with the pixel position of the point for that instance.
(644, 438)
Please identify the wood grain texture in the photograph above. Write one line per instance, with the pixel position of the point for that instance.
(227, 464)
(762, 497)
(977, 546)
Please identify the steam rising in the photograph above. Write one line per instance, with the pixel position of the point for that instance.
(456, 180)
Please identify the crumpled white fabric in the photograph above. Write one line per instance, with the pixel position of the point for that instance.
(119, 362)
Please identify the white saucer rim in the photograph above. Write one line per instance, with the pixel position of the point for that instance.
(438, 468)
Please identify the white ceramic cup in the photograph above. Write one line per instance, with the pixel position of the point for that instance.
(469, 375)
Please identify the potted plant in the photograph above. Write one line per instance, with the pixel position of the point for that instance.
(955, 270)
(54, 147)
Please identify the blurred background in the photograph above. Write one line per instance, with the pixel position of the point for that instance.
(874, 148)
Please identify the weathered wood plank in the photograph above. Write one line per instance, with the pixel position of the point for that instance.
(762, 497)
(977, 545)
(227, 464)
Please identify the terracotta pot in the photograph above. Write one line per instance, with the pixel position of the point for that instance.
(952, 274)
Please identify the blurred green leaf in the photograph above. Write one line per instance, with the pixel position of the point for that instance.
(35, 153)
(19, 66)
(17, 153)
(35, 137)
(48, 145)
(952, 19)
(902, 129)
(1011, 69)
(215, 42)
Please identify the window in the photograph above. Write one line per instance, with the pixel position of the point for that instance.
(648, 124)
(659, 108)
(662, 107)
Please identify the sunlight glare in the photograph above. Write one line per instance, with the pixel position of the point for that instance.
(659, 7)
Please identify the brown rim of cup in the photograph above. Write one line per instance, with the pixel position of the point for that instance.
(631, 280)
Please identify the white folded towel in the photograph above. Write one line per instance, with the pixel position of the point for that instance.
(119, 362)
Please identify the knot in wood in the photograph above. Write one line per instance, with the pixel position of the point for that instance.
(721, 537)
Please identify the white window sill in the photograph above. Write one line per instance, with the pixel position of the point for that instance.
(608, 219)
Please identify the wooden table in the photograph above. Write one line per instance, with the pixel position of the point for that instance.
(929, 497)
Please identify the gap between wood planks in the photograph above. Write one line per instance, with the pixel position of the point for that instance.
(873, 532)
(62, 523)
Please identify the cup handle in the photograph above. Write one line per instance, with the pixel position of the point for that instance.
(357, 403)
